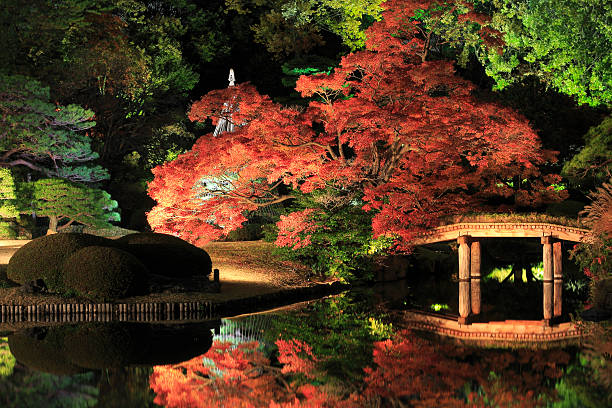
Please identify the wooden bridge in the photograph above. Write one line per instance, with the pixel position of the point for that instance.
(469, 236)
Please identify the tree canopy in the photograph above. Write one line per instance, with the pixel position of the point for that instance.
(564, 43)
(387, 131)
(45, 137)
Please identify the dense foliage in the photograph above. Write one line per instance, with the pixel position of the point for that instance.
(564, 43)
(44, 136)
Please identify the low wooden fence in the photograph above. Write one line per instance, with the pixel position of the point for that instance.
(77, 312)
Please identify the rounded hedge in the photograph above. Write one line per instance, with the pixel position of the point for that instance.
(42, 258)
(103, 273)
(167, 255)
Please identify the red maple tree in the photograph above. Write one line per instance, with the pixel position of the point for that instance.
(401, 135)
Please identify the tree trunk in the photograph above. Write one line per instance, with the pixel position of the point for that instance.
(52, 225)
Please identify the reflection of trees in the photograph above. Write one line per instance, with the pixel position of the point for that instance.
(31, 389)
(232, 375)
(7, 361)
(125, 387)
(407, 371)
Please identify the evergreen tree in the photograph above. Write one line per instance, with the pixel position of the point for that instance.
(64, 203)
(8, 205)
(42, 136)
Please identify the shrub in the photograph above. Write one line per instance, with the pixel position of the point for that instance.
(42, 258)
(167, 255)
(103, 273)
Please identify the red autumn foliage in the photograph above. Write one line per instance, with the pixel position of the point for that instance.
(404, 135)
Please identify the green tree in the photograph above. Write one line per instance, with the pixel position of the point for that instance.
(592, 165)
(294, 26)
(564, 43)
(8, 207)
(8, 203)
(42, 136)
(64, 203)
(7, 361)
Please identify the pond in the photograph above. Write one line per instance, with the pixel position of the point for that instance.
(343, 350)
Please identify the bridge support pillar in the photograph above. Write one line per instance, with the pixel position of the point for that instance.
(475, 276)
(558, 278)
(464, 278)
(547, 255)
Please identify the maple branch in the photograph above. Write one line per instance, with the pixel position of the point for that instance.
(279, 199)
(328, 148)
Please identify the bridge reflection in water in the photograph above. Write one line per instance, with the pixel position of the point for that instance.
(471, 236)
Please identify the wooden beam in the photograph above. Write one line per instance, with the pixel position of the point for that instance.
(558, 277)
(475, 276)
(547, 255)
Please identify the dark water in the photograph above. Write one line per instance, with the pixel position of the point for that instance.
(339, 351)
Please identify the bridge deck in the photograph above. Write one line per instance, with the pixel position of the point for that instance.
(501, 230)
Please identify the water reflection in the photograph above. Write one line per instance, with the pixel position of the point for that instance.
(71, 349)
(338, 352)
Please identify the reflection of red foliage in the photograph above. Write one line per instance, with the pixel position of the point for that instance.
(406, 370)
(409, 368)
(297, 357)
(239, 377)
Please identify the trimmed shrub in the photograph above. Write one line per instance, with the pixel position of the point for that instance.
(42, 258)
(167, 255)
(42, 354)
(103, 273)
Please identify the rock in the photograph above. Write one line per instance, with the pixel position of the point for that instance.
(35, 286)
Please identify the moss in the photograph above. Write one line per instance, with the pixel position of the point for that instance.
(167, 255)
(103, 273)
(42, 258)
(42, 351)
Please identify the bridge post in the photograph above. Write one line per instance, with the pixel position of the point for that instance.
(547, 255)
(558, 277)
(475, 276)
(464, 278)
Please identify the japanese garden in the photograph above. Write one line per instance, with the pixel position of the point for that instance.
(306, 203)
